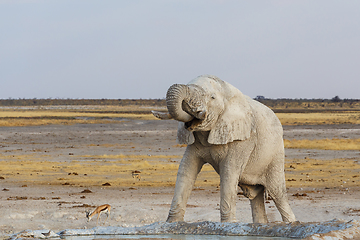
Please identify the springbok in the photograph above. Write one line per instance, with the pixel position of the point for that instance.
(136, 174)
(100, 209)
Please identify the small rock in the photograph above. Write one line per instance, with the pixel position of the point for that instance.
(300, 195)
(86, 191)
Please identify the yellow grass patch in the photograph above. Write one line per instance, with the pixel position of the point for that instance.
(319, 118)
(129, 157)
(97, 170)
(35, 117)
(322, 173)
(67, 115)
(179, 145)
(155, 171)
(40, 122)
(325, 144)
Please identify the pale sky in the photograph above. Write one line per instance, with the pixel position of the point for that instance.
(120, 49)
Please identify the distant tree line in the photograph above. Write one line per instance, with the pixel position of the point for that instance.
(283, 104)
(57, 102)
(334, 99)
(333, 103)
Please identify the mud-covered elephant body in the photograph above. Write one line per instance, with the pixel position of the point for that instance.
(241, 138)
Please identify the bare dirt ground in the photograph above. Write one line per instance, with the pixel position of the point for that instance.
(49, 176)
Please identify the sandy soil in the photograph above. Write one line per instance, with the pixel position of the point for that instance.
(50, 175)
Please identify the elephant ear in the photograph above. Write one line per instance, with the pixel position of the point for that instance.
(184, 136)
(235, 122)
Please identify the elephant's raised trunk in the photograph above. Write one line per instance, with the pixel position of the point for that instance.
(175, 97)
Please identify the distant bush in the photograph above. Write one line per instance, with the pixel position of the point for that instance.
(278, 105)
(56, 102)
(336, 99)
(309, 105)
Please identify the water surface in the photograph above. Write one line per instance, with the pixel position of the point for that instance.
(173, 236)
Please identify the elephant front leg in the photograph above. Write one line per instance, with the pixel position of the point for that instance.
(187, 173)
(228, 193)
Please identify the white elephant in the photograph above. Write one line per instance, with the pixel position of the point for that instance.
(241, 138)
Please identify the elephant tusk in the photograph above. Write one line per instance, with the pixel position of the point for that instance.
(162, 115)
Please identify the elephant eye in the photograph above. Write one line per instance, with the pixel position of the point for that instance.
(213, 96)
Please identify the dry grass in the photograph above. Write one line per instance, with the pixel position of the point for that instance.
(325, 144)
(160, 170)
(96, 170)
(40, 122)
(35, 117)
(319, 118)
(130, 157)
(67, 115)
(104, 113)
(322, 173)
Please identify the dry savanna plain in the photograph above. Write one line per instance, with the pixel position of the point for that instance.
(56, 161)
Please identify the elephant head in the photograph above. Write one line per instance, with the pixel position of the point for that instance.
(208, 104)
(185, 104)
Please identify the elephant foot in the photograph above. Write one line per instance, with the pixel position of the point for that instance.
(171, 219)
(176, 215)
(290, 217)
(232, 220)
(227, 216)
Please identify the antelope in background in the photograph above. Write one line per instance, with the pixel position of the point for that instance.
(101, 209)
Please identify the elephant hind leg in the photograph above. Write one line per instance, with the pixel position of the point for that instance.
(282, 204)
(257, 201)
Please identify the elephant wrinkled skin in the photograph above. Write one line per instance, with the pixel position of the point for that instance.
(241, 138)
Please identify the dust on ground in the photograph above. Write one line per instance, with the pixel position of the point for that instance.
(51, 174)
